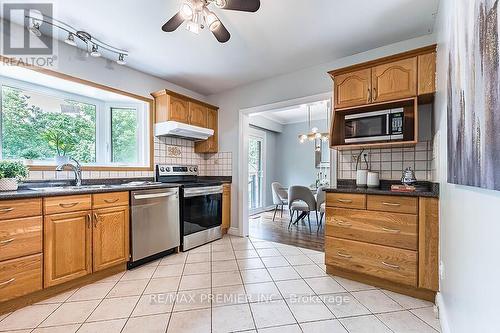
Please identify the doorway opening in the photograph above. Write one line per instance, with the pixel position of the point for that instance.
(256, 170)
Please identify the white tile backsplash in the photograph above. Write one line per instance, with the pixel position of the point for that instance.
(218, 164)
(390, 162)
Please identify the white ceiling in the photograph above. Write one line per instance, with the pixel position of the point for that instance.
(296, 114)
(283, 36)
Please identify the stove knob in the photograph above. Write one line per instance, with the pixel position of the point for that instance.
(162, 169)
(191, 169)
(167, 169)
(195, 169)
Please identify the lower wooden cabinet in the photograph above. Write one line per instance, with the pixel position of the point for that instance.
(20, 276)
(110, 237)
(68, 247)
(226, 208)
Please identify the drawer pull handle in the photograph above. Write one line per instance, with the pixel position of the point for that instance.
(392, 231)
(96, 219)
(6, 210)
(3, 284)
(348, 256)
(344, 200)
(68, 205)
(391, 204)
(111, 200)
(89, 223)
(7, 241)
(389, 265)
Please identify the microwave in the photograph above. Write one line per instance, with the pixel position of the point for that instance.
(373, 126)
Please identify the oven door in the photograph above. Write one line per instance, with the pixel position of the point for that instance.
(366, 127)
(202, 209)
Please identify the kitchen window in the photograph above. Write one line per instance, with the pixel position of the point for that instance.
(39, 123)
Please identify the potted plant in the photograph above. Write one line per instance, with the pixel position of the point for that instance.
(11, 173)
(30, 155)
(61, 142)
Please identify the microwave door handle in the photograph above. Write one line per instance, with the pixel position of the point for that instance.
(388, 129)
(155, 195)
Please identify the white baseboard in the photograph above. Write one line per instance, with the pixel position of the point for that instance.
(234, 231)
(443, 317)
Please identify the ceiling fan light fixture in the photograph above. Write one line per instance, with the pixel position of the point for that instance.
(70, 40)
(187, 10)
(220, 3)
(211, 19)
(95, 51)
(193, 27)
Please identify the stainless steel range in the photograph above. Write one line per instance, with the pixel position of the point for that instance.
(201, 204)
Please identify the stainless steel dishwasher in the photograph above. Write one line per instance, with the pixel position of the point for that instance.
(155, 224)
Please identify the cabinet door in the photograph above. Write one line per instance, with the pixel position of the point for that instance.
(210, 145)
(178, 110)
(427, 73)
(226, 207)
(395, 80)
(67, 247)
(352, 89)
(110, 237)
(197, 114)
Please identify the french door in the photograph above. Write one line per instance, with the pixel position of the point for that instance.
(256, 170)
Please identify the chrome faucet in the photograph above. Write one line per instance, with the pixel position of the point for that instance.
(76, 168)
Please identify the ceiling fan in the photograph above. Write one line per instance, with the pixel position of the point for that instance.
(197, 15)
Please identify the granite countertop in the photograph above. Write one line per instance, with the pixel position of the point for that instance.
(424, 189)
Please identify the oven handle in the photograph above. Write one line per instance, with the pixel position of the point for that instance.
(198, 192)
(154, 195)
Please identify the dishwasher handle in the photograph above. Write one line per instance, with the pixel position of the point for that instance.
(154, 195)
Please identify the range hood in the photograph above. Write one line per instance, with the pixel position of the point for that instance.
(181, 130)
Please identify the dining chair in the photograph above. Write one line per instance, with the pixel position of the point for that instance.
(280, 197)
(301, 200)
(320, 205)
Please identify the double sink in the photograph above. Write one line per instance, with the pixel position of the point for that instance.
(84, 187)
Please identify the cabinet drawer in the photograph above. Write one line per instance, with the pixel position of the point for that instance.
(104, 200)
(11, 209)
(20, 237)
(20, 277)
(391, 229)
(346, 200)
(384, 262)
(391, 203)
(72, 203)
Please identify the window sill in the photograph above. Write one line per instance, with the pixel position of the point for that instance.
(38, 167)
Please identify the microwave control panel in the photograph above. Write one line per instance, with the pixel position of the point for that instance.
(397, 123)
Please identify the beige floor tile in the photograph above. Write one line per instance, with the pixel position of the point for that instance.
(147, 324)
(243, 254)
(198, 281)
(114, 308)
(309, 271)
(232, 318)
(224, 266)
(201, 249)
(350, 285)
(324, 285)
(28, 317)
(309, 251)
(162, 285)
(252, 263)
(229, 295)
(407, 302)
(243, 246)
(154, 304)
(262, 245)
(262, 292)
(344, 305)
(428, 315)
(255, 276)
(139, 273)
(325, 326)
(275, 262)
(154, 263)
(71, 313)
(176, 258)
(309, 309)
(297, 260)
(197, 268)
(168, 270)
(282, 329)
(128, 288)
(226, 279)
(183, 322)
(2, 316)
(113, 278)
(91, 291)
(405, 322)
(197, 257)
(289, 251)
(108, 326)
(283, 273)
(274, 313)
(193, 300)
(317, 258)
(364, 324)
(294, 288)
(60, 298)
(56, 329)
(227, 247)
(268, 252)
(226, 255)
(376, 301)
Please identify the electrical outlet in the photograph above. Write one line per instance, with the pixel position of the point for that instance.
(441, 270)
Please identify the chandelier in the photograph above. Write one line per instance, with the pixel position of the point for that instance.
(313, 133)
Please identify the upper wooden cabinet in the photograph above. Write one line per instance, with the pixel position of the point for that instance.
(197, 114)
(394, 80)
(427, 73)
(211, 145)
(353, 89)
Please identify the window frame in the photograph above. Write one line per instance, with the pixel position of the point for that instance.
(103, 127)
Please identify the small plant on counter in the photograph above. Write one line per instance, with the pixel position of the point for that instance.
(11, 173)
(61, 142)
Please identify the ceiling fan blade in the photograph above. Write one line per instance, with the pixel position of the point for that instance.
(173, 23)
(221, 33)
(242, 5)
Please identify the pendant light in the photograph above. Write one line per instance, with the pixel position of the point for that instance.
(314, 133)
